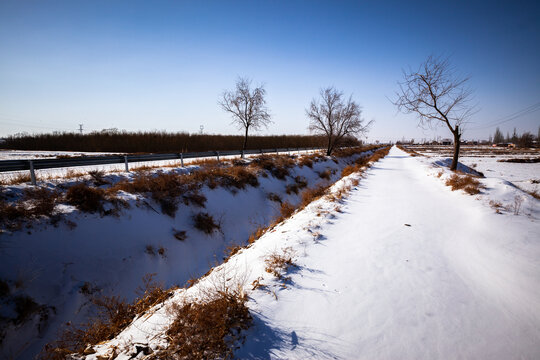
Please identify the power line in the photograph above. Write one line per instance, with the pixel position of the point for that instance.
(525, 111)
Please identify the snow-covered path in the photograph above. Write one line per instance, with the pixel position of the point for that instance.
(409, 270)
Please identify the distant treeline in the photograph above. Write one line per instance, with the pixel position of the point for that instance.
(142, 142)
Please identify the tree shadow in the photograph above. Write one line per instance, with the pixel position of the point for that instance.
(265, 342)
(463, 168)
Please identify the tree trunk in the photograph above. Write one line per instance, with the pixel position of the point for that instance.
(457, 140)
(329, 147)
(245, 139)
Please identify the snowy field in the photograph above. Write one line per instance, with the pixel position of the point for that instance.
(486, 160)
(403, 268)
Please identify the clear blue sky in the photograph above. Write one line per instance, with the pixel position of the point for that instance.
(161, 65)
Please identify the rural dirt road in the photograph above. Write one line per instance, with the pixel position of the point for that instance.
(409, 270)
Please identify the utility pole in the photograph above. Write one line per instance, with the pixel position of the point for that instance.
(80, 128)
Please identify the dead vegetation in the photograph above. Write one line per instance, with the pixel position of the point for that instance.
(179, 234)
(409, 151)
(85, 198)
(521, 160)
(208, 329)
(364, 161)
(95, 193)
(205, 223)
(466, 183)
(16, 179)
(300, 183)
(113, 315)
(277, 165)
(326, 174)
(278, 263)
(34, 204)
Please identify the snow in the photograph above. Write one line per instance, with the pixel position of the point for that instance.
(401, 268)
(486, 160)
(406, 268)
(109, 254)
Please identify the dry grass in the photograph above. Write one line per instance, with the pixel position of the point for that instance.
(300, 183)
(98, 177)
(114, 314)
(277, 165)
(521, 160)
(278, 263)
(348, 170)
(350, 151)
(466, 183)
(35, 203)
(379, 154)
(238, 177)
(364, 161)
(86, 198)
(305, 161)
(257, 234)
(210, 329)
(326, 174)
(164, 188)
(534, 194)
(16, 179)
(310, 195)
(274, 197)
(286, 210)
(497, 206)
(179, 234)
(205, 223)
(409, 151)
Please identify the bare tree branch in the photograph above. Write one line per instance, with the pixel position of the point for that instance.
(247, 107)
(437, 96)
(333, 117)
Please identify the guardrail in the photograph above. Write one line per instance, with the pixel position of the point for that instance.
(37, 164)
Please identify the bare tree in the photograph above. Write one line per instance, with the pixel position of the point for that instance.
(247, 106)
(333, 117)
(437, 96)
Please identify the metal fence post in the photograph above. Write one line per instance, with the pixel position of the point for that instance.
(126, 163)
(182, 159)
(32, 173)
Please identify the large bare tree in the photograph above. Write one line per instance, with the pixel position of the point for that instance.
(247, 106)
(437, 95)
(335, 118)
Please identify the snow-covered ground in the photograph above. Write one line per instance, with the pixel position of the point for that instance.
(403, 268)
(60, 267)
(486, 159)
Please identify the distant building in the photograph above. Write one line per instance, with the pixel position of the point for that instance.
(506, 145)
(446, 142)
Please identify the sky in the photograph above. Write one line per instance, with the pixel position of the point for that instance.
(162, 65)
